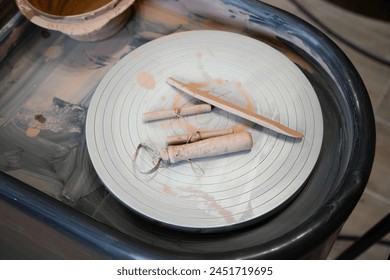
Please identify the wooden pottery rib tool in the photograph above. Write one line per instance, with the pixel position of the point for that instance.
(234, 109)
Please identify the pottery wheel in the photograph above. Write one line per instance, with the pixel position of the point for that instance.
(210, 193)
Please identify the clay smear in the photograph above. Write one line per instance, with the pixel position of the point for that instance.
(53, 52)
(146, 80)
(205, 197)
(32, 132)
(250, 106)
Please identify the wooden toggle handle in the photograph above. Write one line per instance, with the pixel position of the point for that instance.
(176, 112)
(209, 147)
(196, 136)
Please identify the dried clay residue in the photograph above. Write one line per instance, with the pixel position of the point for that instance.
(32, 132)
(46, 148)
(11, 159)
(250, 106)
(53, 52)
(168, 190)
(146, 80)
(213, 205)
(59, 117)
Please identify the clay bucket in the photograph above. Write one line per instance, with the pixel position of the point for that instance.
(87, 20)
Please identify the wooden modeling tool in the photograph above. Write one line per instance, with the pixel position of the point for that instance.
(234, 109)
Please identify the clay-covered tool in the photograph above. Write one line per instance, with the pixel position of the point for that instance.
(233, 108)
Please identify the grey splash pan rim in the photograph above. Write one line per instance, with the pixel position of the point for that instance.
(312, 232)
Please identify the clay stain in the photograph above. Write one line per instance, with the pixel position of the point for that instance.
(168, 190)
(32, 132)
(146, 80)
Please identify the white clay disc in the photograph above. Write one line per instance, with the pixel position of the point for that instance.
(217, 192)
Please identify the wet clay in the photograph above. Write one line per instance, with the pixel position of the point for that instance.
(68, 7)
